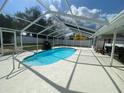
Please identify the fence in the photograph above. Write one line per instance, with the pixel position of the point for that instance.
(83, 43)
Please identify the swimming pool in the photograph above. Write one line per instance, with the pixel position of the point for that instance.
(49, 56)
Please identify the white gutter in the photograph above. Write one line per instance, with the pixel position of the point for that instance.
(117, 23)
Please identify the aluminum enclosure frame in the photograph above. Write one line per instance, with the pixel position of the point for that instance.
(57, 36)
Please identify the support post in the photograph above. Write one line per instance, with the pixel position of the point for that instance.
(94, 42)
(113, 48)
(21, 41)
(65, 41)
(80, 42)
(53, 41)
(73, 42)
(58, 41)
(47, 38)
(15, 41)
(37, 42)
(1, 36)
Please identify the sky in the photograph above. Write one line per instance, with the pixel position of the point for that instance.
(106, 6)
(97, 9)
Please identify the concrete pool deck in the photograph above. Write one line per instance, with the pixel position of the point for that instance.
(84, 72)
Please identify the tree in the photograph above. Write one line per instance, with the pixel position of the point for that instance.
(29, 14)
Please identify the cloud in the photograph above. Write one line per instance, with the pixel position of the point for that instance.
(53, 8)
(57, 3)
(86, 12)
(83, 11)
(109, 17)
(89, 13)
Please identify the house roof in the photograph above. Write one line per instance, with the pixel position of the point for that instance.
(116, 24)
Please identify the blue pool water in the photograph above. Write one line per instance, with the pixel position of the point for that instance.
(49, 56)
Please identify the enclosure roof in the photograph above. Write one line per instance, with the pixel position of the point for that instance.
(81, 28)
(85, 19)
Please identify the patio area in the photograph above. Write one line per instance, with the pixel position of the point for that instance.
(84, 72)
